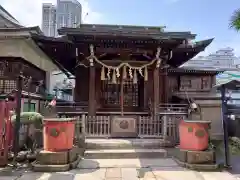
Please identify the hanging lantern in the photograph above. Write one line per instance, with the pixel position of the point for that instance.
(145, 74)
(114, 78)
(103, 74)
(135, 79)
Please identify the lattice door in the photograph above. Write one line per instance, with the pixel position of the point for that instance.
(130, 93)
(111, 93)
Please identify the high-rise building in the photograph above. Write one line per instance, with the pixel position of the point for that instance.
(67, 13)
(49, 19)
(222, 59)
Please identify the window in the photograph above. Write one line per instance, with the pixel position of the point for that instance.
(32, 107)
(7, 86)
(194, 83)
(206, 83)
(111, 93)
(130, 93)
(185, 83)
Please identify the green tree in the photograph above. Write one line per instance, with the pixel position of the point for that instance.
(235, 20)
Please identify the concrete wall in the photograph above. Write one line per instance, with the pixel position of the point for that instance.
(28, 50)
(211, 111)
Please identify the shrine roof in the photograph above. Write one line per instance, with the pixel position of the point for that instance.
(34, 29)
(195, 71)
(7, 16)
(135, 38)
(108, 31)
(185, 52)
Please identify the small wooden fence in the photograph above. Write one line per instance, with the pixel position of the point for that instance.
(164, 127)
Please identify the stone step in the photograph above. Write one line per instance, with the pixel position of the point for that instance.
(127, 163)
(125, 153)
(125, 143)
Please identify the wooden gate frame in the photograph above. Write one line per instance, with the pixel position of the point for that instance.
(5, 131)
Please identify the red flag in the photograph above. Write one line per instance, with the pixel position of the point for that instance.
(53, 102)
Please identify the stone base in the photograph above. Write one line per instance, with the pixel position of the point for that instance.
(196, 157)
(198, 167)
(47, 161)
(196, 160)
(57, 158)
(37, 167)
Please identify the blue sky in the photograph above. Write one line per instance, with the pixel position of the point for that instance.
(206, 18)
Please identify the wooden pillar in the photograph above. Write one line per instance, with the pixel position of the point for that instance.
(213, 81)
(166, 86)
(145, 94)
(155, 91)
(161, 86)
(91, 98)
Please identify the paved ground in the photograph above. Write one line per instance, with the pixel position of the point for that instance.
(164, 173)
(235, 162)
(125, 169)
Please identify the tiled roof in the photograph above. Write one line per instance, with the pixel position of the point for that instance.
(6, 15)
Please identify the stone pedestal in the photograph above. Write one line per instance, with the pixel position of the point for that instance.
(47, 161)
(197, 160)
(196, 157)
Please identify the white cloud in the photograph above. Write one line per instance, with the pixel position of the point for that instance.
(29, 12)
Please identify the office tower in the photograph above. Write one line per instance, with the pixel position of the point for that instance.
(222, 59)
(49, 19)
(69, 13)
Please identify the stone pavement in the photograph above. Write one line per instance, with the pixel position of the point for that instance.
(235, 166)
(161, 169)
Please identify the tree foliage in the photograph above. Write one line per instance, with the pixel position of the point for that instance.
(235, 20)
